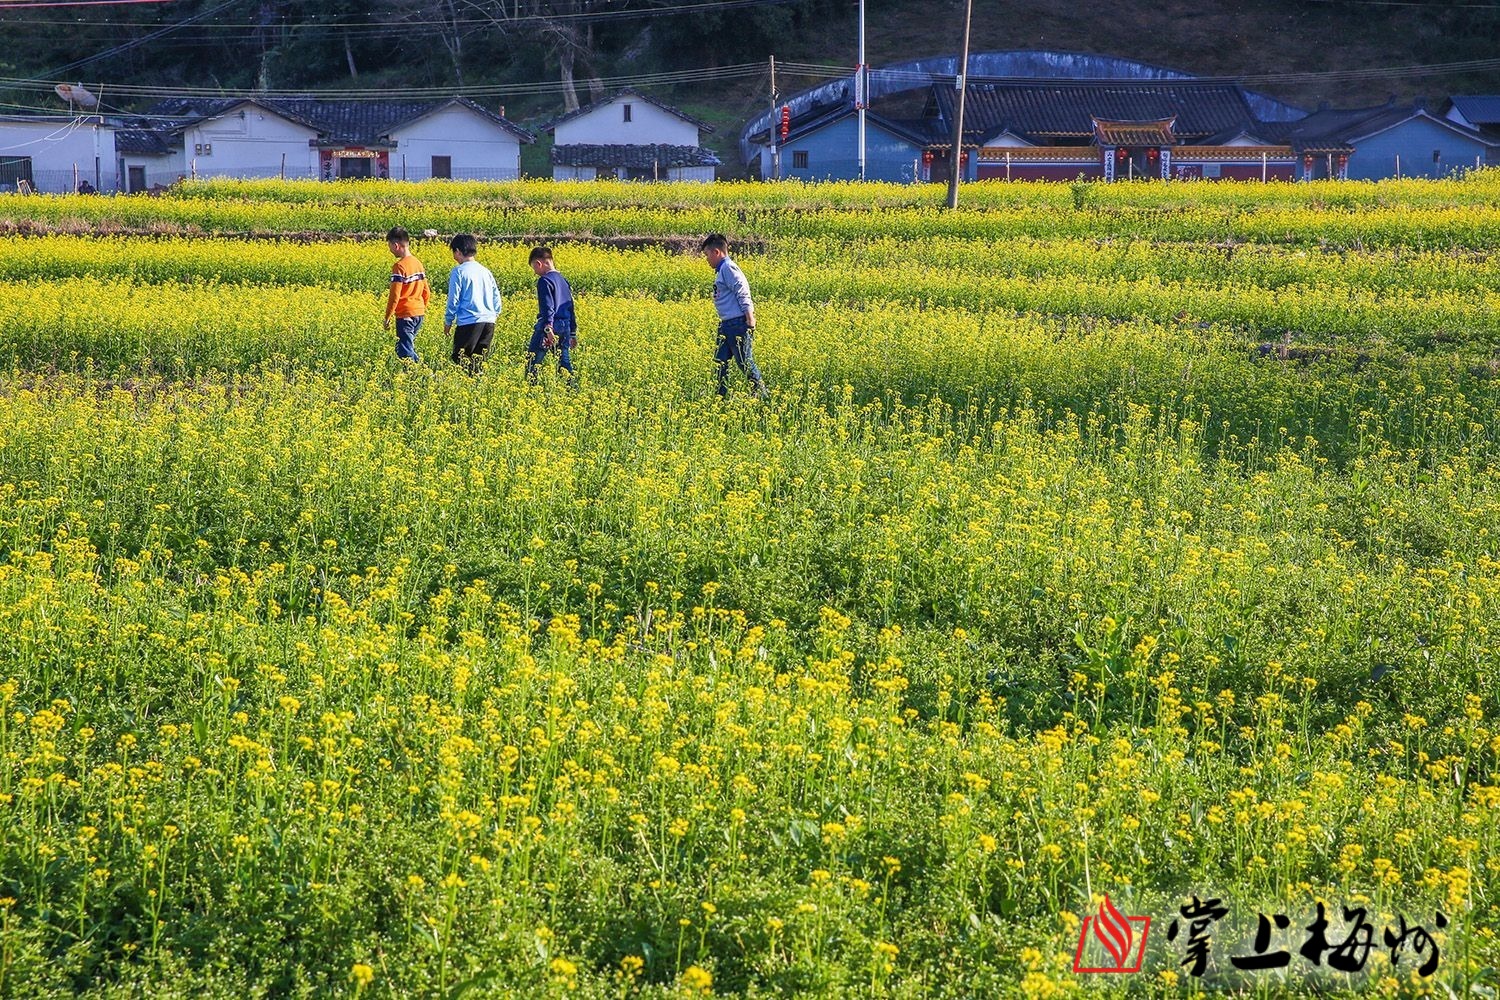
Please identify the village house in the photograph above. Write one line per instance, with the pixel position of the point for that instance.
(823, 145)
(263, 137)
(630, 136)
(1059, 116)
(1387, 141)
(56, 153)
(1480, 112)
(326, 139)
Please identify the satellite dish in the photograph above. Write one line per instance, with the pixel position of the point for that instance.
(74, 93)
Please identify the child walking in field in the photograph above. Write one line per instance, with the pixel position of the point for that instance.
(736, 316)
(473, 304)
(556, 325)
(407, 303)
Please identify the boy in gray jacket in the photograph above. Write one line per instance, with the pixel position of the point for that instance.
(736, 316)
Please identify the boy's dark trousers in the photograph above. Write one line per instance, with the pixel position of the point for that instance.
(471, 342)
(406, 337)
(536, 353)
(735, 341)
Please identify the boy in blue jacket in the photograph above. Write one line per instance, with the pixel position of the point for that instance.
(473, 304)
(556, 324)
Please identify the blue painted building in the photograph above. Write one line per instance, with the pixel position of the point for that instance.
(1480, 112)
(1382, 142)
(824, 146)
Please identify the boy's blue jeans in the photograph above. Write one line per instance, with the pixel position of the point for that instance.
(536, 353)
(406, 337)
(735, 341)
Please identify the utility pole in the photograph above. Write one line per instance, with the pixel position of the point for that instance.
(962, 84)
(775, 128)
(860, 87)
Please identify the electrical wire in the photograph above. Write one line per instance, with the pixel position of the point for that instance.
(76, 3)
(642, 80)
(334, 21)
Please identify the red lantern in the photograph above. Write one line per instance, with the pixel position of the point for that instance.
(786, 121)
(1307, 163)
(1120, 153)
(1343, 160)
(1153, 153)
(927, 158)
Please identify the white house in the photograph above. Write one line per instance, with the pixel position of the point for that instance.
(57, 153)
(457, 139)
(328, 139)
(249, 139)
(260, 137)
(214, 137)
(630, 137)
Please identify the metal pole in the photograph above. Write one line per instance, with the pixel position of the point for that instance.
(961, 83)
(859, 89)
(775, 128)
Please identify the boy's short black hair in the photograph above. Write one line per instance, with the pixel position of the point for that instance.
(715, 241)
(398, 234)
(464, 243)
(540, 253)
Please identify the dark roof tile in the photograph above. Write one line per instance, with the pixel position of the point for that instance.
(1066, 108)
(347, 123)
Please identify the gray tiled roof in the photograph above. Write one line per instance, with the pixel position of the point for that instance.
(142, 142)
(636, 157)
(1480, 109)
(356, 123)
(1341, 128)
(1063, 109)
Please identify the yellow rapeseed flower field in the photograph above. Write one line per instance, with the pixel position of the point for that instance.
(1134, 557)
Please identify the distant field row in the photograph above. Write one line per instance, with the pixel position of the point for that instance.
(1441, 215)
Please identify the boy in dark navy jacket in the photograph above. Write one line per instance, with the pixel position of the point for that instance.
(556, 325)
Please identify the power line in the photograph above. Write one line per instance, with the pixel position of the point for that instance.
(336, 21)
(144, 39)
(642, 80)
(76, 3)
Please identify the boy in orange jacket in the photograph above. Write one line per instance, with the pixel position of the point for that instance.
(407, 303)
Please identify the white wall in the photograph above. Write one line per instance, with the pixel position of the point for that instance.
(250, 142)
(159, 169)
(605, 126)
(55, 146)
(698, 175)
(561, 173)
(480, 149)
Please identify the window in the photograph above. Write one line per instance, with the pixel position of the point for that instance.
(627, 113)
(14, 170)
(799, 159)
(442, 167)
